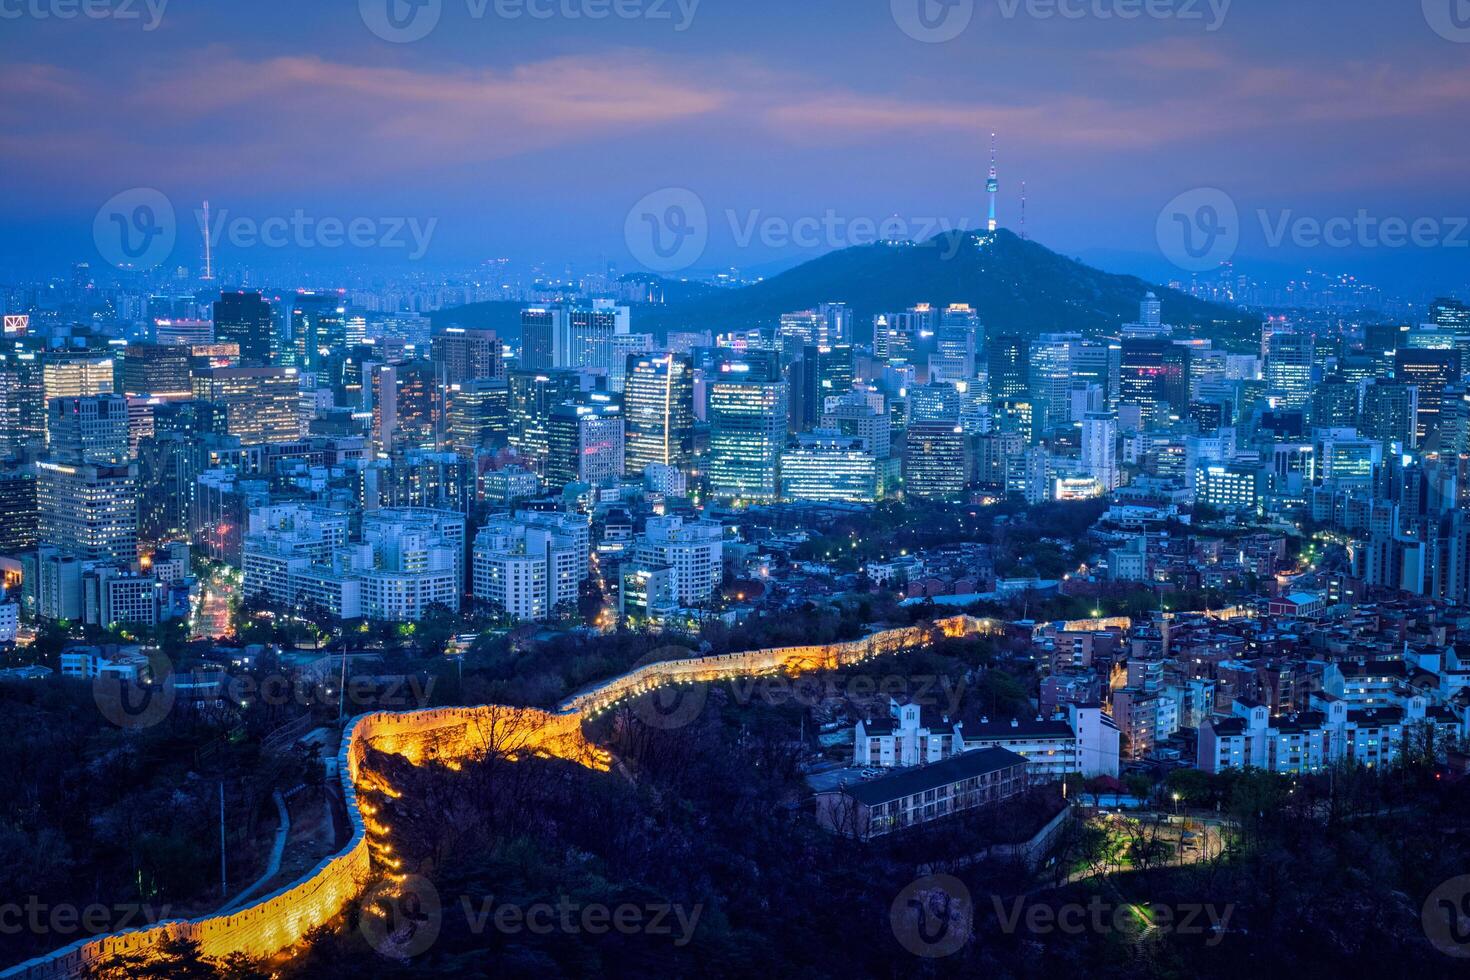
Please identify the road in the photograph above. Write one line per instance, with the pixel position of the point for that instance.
(212, 608)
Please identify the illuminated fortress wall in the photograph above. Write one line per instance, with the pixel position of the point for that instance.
(278, 921)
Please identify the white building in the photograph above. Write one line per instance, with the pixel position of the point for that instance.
(694, 554)
(902, 740)
(531, 564)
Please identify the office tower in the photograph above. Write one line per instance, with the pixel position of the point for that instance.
(1211, 415)
(1334, 403)
(797, 331)
(1289, 360)
(89, 511)
(1431, 371)
(183, 333)
(531, 566)
(1450, 313)
(1151, 311)
(1228, 486)
(855, 415)
(160, 370)
(259, 404)
(585, 443)
(590, 333)
(477, 415)
(76, 375)
(319, 334)
(245, 319)
(826, 466)
(1051, 379)
(406, 405)
(658, 409)
(540, 327)
(747, 415)
(612, 357)
(22, 405)
(1153, 376)
(1008, 361)
(18, 511)
(958, 341)
(532, 396)
(1096, 362)
(1100, 448)
(168, 468)
(88, 430)
(461, 354)
(816, 374)
(1016, 415)
(936, 461)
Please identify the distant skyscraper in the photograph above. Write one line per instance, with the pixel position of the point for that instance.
(89, 511)
(1100, 447)
(747, 417)
(1431, 371)
(1391, 412)
(936, 461)
(318, 333)
(260, 404)
(658, 407)
(245, 319)
(585, 443)
(1008, 360)
(477, 415)
(461, 354)
(1153, 374)
(1151, 311)
(539, 329)
(160, 370)
(1289, 360)
(93, 429)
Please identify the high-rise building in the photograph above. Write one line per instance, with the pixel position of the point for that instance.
(462, 354)
(747, 415)
(826, 466)
(245, 318)
(89, 511)
(93, 429)
(18, 511)
(658, 408)
(1289, 360)
(936, 461)
(159, 370)
(1008, 361)
(1153, 375)
(693, 553)
(477, 415)
(1431, 371)
(1100, 448)
(533, 394)
(540, 327)
(1051, 379)
(585, 443)
(259, 404)
(22, 405)
(319, 334)
(1391, 412)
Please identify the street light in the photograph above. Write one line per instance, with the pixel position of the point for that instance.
(1176, 804)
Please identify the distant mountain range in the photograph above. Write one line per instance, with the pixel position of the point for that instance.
(1018, 286)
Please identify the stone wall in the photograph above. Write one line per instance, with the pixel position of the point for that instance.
(278, 921)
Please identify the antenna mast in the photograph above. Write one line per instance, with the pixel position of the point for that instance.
(208, 254)
(993, 184)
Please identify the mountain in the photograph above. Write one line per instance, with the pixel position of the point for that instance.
(1017, 285)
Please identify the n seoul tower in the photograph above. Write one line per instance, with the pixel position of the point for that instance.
(993, 184)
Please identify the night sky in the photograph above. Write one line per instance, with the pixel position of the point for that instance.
(531, 138)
